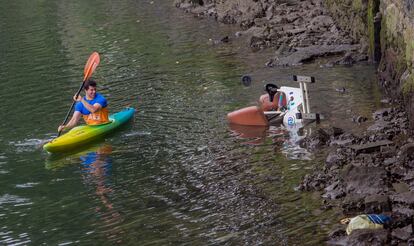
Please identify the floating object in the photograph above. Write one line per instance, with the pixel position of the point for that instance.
(341, 90)
(359, 119)
(85, 134)
(225, 39)
(246, 80)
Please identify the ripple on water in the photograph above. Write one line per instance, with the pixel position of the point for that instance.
(9, 240)
(29, 145)
(26, 185)
(69, 243)
(137, 133)
(13, 199)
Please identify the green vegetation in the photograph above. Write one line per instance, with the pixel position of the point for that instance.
(401, 42)
(373, 8)
(408, 85)
(357, 5)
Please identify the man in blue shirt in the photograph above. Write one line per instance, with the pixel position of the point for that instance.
(93, 107)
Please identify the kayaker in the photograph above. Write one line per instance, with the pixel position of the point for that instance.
(279, 99)
(93, 107)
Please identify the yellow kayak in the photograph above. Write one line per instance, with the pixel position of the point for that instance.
(84, 134)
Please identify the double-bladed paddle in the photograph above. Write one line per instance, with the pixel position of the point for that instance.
(90, 67)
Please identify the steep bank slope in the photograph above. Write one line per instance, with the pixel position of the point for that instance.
(388, 28)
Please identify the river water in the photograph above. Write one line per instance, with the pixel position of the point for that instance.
(177, 174)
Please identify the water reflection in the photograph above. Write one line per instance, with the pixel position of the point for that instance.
(96, 169)
(257, 134)
(284, 140)
(96, 172)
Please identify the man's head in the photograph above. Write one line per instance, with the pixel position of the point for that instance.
(271, 89)
(90, 88)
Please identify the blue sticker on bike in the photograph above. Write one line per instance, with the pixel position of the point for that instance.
(291, 120)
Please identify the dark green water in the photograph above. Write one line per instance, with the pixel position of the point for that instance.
(177, 174)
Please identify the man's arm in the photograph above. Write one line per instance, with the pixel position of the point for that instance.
(89, 107)
(73, 121)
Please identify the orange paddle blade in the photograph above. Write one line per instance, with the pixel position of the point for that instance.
(91, 65)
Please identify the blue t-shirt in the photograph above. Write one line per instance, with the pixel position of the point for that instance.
(98, 99)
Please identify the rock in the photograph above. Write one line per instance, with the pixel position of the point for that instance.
(370, 147)
(313, 182)
(399, 220)
(381, 113)
(269, 63)
(390, 161)
(406, 198)
(403, 233)
(367, 237)
(342, 143)
(334, 191)
(380, 126)
(388, 152)
(241, 12)
(402, 210)
(397, 170)
(406, 152)
(377, 204)
(401, 187)
(261, 21)
(317, 139)
(338, 232)
(353, 203)
(308, 53)
(365, 180)
(335, 159)
(403, 203)
(322, 20)
(347, 59)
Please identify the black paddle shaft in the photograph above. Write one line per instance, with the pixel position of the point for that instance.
(71, 107)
